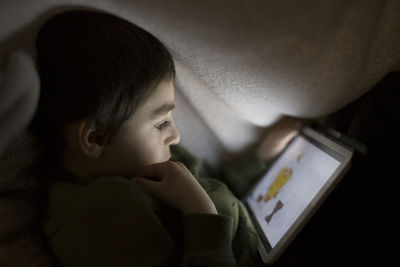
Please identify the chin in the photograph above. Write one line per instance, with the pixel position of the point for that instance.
(168, 154)
(163, 159)
(168, 157)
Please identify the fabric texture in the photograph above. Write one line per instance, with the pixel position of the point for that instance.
(80, 210)
(113, 221)
(250, 62)
(22, 196)
(19, 93)
(251, 65)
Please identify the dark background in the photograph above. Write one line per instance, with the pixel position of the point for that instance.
(357, 224)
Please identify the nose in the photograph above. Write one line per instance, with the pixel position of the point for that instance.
(175, 136)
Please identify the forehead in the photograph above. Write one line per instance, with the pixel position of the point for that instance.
(163, 91)
(161, 99)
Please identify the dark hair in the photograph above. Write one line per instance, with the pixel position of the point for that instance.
(94, 64)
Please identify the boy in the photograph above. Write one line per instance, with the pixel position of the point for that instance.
(105, 117)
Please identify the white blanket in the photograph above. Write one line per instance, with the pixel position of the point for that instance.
(240, 64)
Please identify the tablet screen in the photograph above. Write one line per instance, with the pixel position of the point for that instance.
(289, 186)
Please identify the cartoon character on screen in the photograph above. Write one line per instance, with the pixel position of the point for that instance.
(280, 180)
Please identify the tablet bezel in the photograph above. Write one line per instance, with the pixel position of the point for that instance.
(333, 148)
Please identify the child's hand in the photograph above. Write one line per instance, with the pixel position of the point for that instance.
(174, 184)
(277, 138)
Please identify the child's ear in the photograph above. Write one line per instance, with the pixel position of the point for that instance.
(90, 139)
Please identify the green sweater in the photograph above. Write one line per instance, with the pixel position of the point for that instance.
(112, 221)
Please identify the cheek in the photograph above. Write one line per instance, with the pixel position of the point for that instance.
(136, 150)
(149, 148)
(154, 150)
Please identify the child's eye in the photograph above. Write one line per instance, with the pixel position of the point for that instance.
(162, 125)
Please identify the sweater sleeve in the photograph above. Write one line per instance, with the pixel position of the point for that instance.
(242, 173)
(208, 240)
(115, 225)
(110, 225)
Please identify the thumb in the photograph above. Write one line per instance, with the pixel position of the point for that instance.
(299, 126)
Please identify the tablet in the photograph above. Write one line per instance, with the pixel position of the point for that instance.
(286, 196)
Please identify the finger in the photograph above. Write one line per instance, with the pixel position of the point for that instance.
(181, 164)
(293, 134)
(297, 128)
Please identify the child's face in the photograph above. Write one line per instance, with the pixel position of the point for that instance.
(146, 136)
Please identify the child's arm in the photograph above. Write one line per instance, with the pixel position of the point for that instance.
(115, 223)
(241, 174)
(277, 138)
(105, 224)
(207, 235)
(174, 185)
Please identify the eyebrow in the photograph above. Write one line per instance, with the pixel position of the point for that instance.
(162, 110)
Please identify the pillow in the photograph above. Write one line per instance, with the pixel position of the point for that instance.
(21, 201)
(19, 93)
